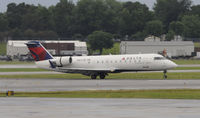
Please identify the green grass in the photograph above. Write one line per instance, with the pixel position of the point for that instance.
(192, 75)
(21, 70)
(186, 62)
(2, 48)
(187, 68)
(39, 70)
(15, 62)
(197, 45)
(147, 94)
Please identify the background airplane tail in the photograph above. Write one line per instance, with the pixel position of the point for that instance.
(38, 52)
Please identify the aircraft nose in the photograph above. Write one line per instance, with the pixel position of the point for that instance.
(173, 65)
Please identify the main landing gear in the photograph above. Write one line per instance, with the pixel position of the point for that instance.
(101, 75)
(165, 74)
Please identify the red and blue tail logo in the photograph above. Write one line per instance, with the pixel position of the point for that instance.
(38, 52)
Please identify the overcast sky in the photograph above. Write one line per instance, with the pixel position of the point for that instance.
(47, 3)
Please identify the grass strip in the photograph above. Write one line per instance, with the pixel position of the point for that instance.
(39, 70)
(147, 94)
(21, 70)
(2, 48)
(186, 61)
(187, 68)
(189, 75)
(15, 62)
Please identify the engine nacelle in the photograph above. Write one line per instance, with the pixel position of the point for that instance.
(63, 61)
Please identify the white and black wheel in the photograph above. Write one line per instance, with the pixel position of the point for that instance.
(93, 77)
(165, 74)
(102, 76)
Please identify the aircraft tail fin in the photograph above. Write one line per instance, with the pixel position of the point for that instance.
(38, 52)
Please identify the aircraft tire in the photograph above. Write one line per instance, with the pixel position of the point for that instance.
(93, 77)
(165, 76)
(102, 76)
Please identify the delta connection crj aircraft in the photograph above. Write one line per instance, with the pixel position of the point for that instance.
(98, 65)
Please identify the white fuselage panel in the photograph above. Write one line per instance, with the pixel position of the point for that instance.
(137, 62)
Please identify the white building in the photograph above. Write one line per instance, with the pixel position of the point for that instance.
(17, 48)
(173, 48)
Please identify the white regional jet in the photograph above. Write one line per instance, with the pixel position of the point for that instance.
(98, 65)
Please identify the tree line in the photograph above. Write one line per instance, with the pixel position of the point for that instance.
(124, 20)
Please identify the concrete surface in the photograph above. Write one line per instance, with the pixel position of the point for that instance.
(37, 85)
(18, 66)
(53, 72)
(97, 108)
(30, 73)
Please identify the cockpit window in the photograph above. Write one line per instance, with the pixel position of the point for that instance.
(159, 58)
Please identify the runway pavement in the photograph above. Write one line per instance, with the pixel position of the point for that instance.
(37, 85)
(34, 65)
(53, 72)
(97, 108)
(29, 73)
(18, 66)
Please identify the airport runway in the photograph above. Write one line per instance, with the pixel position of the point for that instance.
(37, 85)
(98, 108)
(18, 66)
(53, 72)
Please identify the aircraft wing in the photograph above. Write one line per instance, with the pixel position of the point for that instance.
(84, 70)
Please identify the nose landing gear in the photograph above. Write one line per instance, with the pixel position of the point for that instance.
(93, 76)
(165, 74)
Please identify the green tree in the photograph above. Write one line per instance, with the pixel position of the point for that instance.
(112, 18)
(134, 17)
(177, 27)
(37, 18)
(29, 17)
(88, 15)
(195, 10)
(154, 28)
(15, 34)
(139, 36)
(2, 36)
(62, 15)
(15, 13)
(99, 40)
(191, 26)
(170, 35)
(92, 15)
(47, 35)
(29, 33)
(170, 10)
(3, 23)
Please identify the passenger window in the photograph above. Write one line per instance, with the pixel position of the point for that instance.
(159, 58)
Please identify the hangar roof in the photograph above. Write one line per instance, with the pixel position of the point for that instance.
(157, 43)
